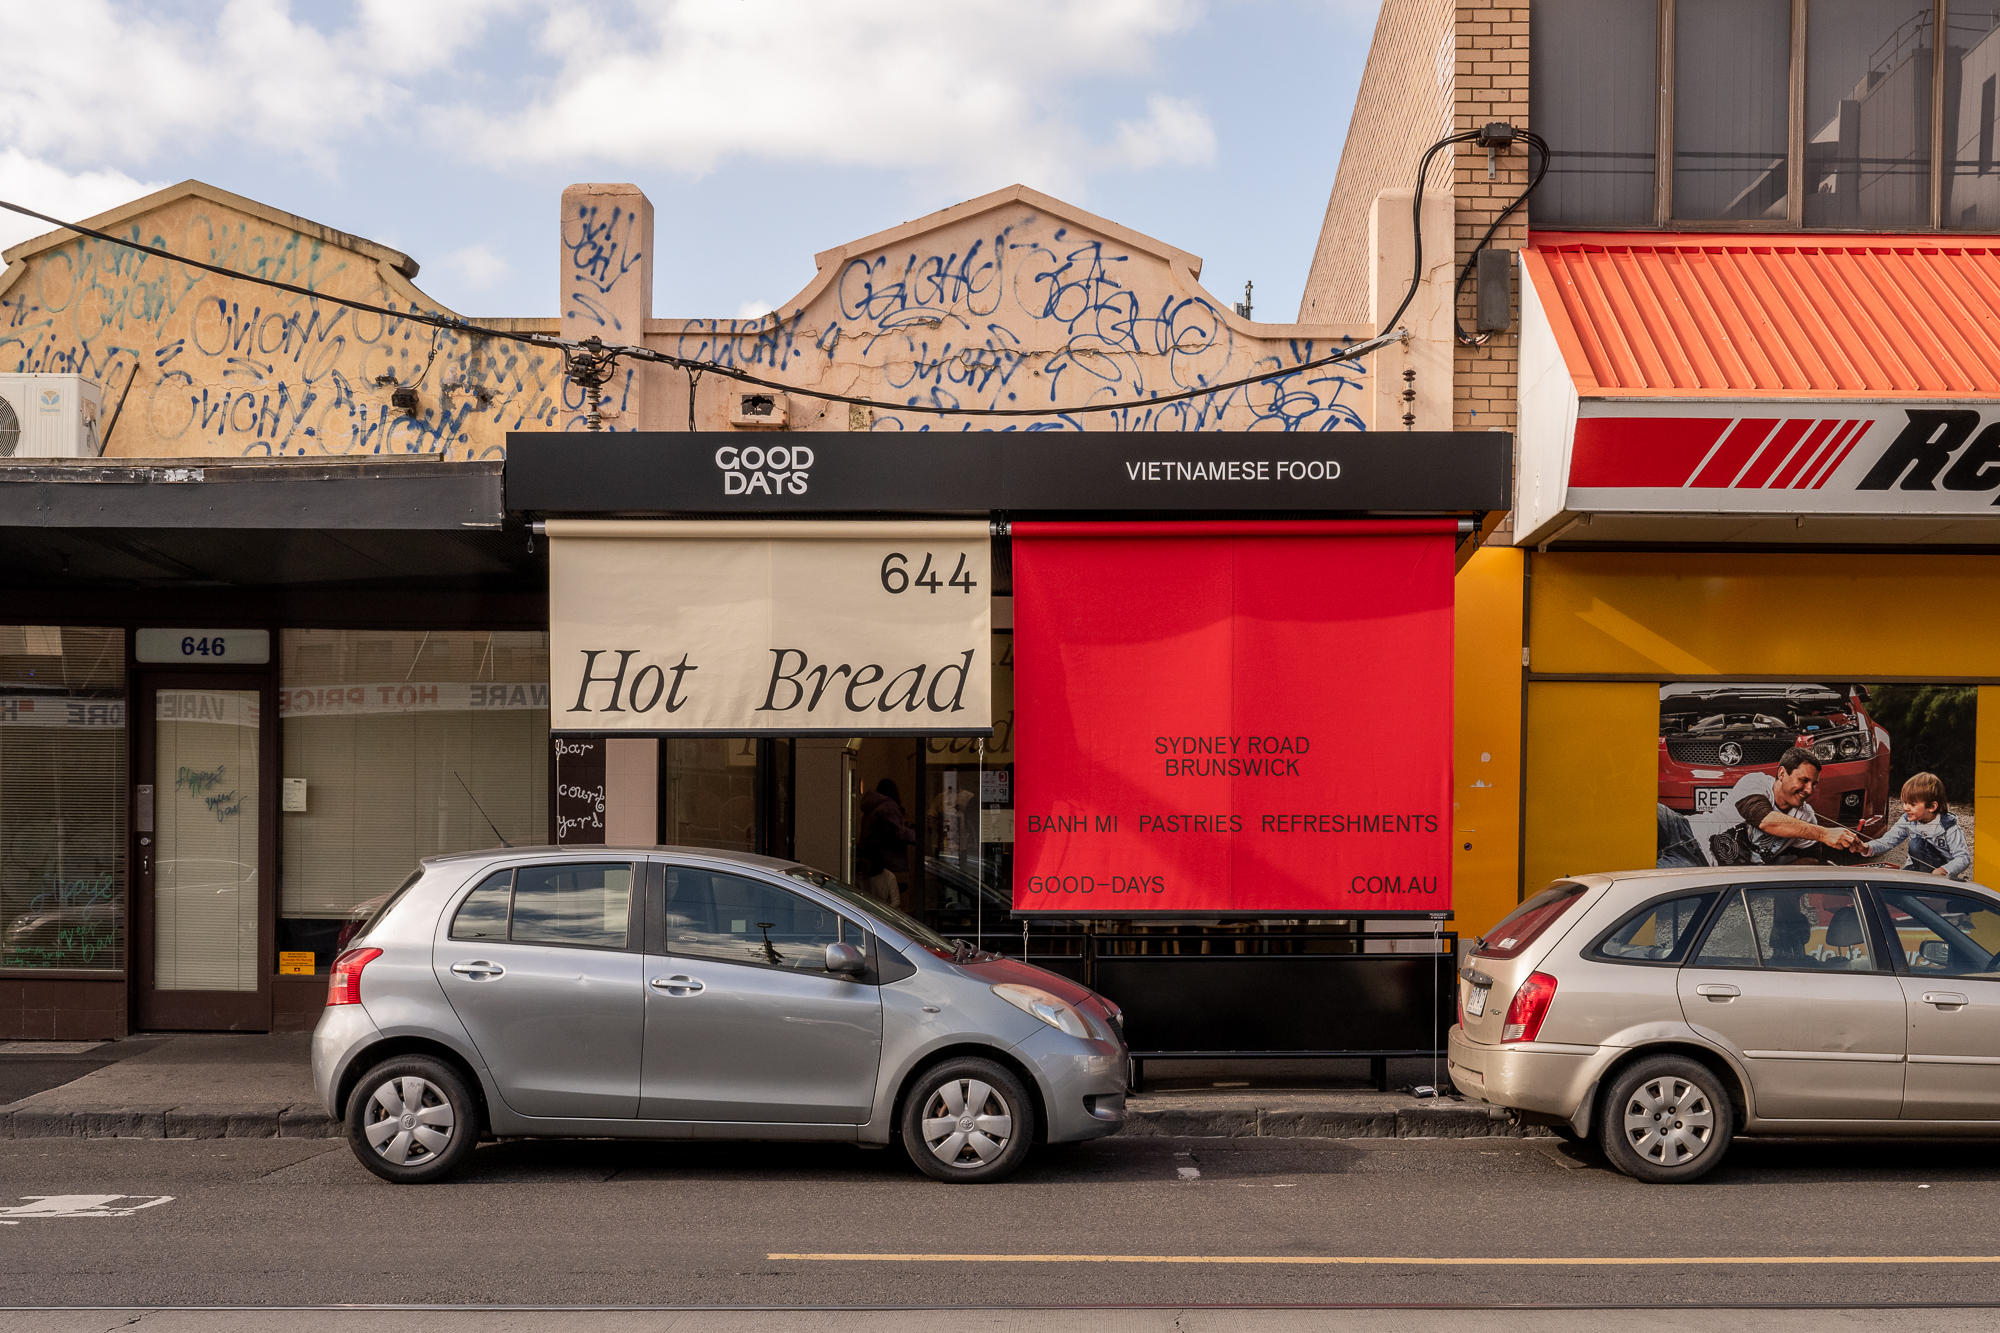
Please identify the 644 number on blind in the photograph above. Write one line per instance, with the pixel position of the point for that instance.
(896, 576)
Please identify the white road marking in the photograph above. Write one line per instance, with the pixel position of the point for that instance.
(40, 1206)
(1189, 1172)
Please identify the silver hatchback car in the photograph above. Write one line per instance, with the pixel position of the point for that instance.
(1665, 1011)
(681, 993)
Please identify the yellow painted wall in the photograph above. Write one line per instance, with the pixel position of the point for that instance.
(1592, 777)
(1802, 616)
(1986, 788)
(1486, 738)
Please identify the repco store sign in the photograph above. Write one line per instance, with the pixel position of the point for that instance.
(1832, 457)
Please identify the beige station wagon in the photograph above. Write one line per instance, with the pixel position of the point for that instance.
(1665, 1011)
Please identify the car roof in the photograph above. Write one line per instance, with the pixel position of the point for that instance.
(1776, 874)
(615, 849)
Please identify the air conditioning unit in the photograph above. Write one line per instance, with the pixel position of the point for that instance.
(49, 416)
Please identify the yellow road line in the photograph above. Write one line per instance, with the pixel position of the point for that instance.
(1598, 1261)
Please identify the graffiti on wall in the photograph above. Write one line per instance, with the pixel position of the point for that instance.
(1020, 309)
(192, 364)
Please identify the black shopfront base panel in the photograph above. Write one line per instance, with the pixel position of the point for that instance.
(1304, 1006)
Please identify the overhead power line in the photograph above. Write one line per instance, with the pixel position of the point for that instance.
(590, 361)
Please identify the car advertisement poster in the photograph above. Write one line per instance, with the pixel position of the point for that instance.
(1233, 719)
(1817, 772)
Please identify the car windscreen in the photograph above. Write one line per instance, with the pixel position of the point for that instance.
(1522, 926)
(916, 930)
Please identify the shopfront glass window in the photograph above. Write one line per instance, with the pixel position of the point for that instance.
(710, 793)
(1591, 91)
(1732, 70)
(1868, 113)
(62, 797)
(1971, 78)
(400, 744)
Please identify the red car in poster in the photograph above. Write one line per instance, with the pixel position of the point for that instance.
(1711, 734)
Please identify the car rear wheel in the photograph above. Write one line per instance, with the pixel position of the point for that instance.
(968, 1121)
(1666, 1120)
(412, 1120)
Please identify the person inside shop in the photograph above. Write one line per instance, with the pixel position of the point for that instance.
(1937, 842)
(885, 832)
(1779, 823)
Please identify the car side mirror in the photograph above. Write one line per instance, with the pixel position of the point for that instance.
(1935, 952)
(845, 958)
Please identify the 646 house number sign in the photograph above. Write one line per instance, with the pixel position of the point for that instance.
(203, 647)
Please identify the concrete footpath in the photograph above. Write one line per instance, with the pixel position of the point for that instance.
(259, 1086)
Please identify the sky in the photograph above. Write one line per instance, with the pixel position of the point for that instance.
(762, 130)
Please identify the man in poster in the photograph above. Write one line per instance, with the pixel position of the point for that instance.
(1779, 824)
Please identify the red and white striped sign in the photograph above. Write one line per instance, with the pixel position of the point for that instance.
(1764, 457)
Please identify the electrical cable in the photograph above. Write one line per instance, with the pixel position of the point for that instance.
(1417, 218)
(593, 353)
(1540, 145)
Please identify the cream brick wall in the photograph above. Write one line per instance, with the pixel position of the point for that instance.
(1405, 106)
(1491, 83)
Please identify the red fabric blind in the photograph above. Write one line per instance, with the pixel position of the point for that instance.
(1233, 717)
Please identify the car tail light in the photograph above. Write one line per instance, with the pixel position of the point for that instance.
(1529, 1008)
(344, 986)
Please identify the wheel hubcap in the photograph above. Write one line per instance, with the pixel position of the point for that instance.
(1669, 1121)
(967, 1123)
(408, 1121)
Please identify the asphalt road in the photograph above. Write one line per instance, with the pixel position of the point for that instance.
(298, 1221)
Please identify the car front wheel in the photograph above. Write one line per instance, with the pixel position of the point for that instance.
(412, 1120)
(968, 1121)
(1666, 1120)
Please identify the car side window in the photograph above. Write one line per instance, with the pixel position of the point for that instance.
(1656, 933)
(1729, 942)
(589, 904)
(740, 920)
(1815, 928)
(1942, 934)
(483, 914)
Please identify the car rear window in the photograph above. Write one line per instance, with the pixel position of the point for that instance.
(1525, 923)
(1659, 932)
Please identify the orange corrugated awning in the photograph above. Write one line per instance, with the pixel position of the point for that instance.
(1653, 315)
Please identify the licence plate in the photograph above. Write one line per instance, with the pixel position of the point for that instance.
(1475, 1001)
(1709, 798)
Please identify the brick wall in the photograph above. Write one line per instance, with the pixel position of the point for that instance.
(1491, 83)
(1405, 106)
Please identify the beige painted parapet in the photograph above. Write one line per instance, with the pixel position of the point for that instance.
(193, 364)
(1428, 318)
(1015, 300)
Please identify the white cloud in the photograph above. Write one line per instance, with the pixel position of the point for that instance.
(46, 188)
(973, 90)
(754, 309)
(118, 82)
(1174, 132)
(481, 266)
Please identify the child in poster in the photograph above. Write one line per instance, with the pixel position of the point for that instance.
(1937, 841)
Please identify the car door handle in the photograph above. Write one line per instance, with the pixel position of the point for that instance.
(1716, 990)
(678, 985)
(1943, 998)
(478, 970)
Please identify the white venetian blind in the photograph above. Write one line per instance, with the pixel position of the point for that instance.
(62, 797)
(408, 742)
